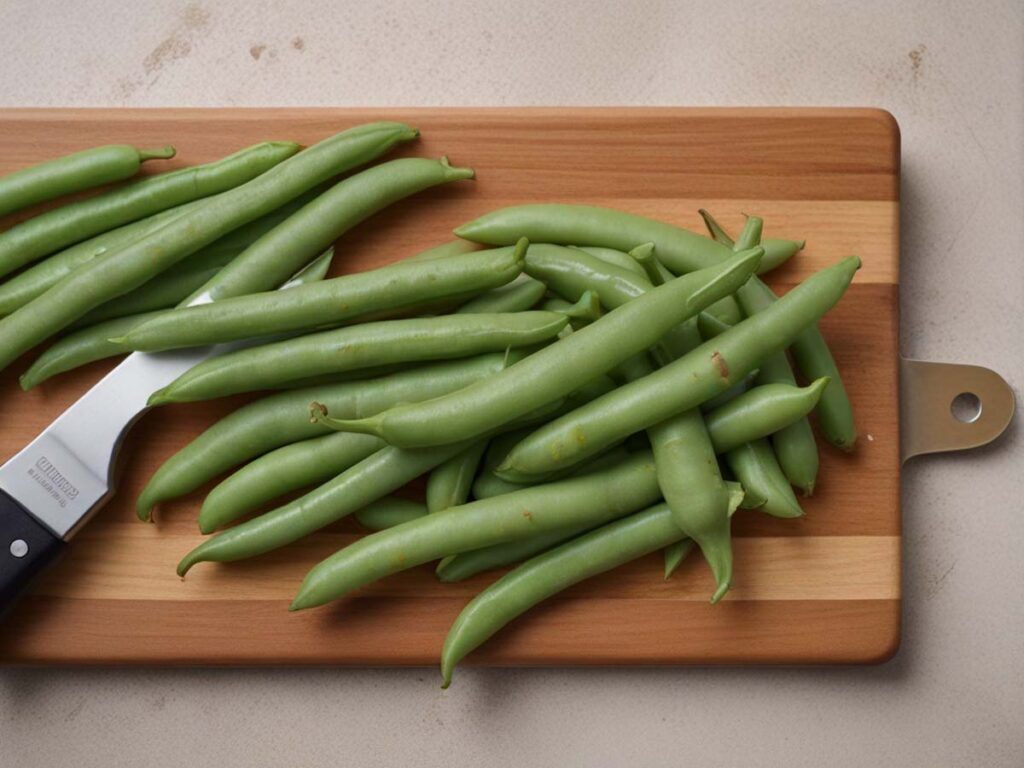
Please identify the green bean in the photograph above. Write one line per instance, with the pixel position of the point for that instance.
(675, 554)
(93, 343)
(282, 250)
(521, 294)
(332, 302)
(561, 367)
(377, 475)
(595, 498)
(686, 383)
(450, 483)
(359, 346)
(776, 252)
(763, 410)
(73, 173)
(176, 285)
(616, 258)
(123, 270)
(794, 445)
(288, 468)
(758, 471)
(49, 232)
(680, 250)
(281, 419)
(34, 281)
(389, 512)
(726, 311)
(603, 549)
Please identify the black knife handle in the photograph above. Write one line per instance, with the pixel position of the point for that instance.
(26, 548)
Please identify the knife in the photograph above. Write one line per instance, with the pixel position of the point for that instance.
(51, 488)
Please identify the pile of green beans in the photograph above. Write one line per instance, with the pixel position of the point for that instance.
(581, 386)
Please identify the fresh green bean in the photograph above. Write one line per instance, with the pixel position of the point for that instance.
(282, 250)
(758, 471)
(281, 419)
(73, 173)
(763, 410)
(388, 512)
(331, 302)
(776, 252)
(468, 564)
(680, 250)
(686, 383)
(547, 574)
(652, 267)
(521, 294)
(58, 228)
(359, 346)
(561, 367)
(93, 343)
(450, 483)
(121, 271)
(725, 310)
(594, 498)
(34, 281)
(288, 468)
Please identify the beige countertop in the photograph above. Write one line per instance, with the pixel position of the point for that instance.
(952, 74)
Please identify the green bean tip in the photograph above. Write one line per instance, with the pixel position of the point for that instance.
(160, 153)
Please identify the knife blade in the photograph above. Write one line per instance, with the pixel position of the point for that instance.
(51, 488)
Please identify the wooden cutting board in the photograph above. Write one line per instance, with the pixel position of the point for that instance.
(824, 589)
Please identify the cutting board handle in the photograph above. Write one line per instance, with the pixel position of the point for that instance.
(951, 407)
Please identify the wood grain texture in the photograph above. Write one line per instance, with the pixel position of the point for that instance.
(824, 589)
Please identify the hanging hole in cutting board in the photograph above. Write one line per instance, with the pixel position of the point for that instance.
(966, 407)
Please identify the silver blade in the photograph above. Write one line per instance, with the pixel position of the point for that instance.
(67, 472)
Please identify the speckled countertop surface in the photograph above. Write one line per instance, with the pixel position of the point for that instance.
(952, 74)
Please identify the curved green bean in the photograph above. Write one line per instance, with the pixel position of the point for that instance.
(603, 549)
(286, 247)
(594, 498)
(93, 343)
(450, 483)
(285, 469)
(763, 410)
(282, 418)
(561, 367)
(389, 512)
(359, 346)
(692, 379)
(766, 487)
(334, 301)
(73, 173)
(127, 268)
(58, 228)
